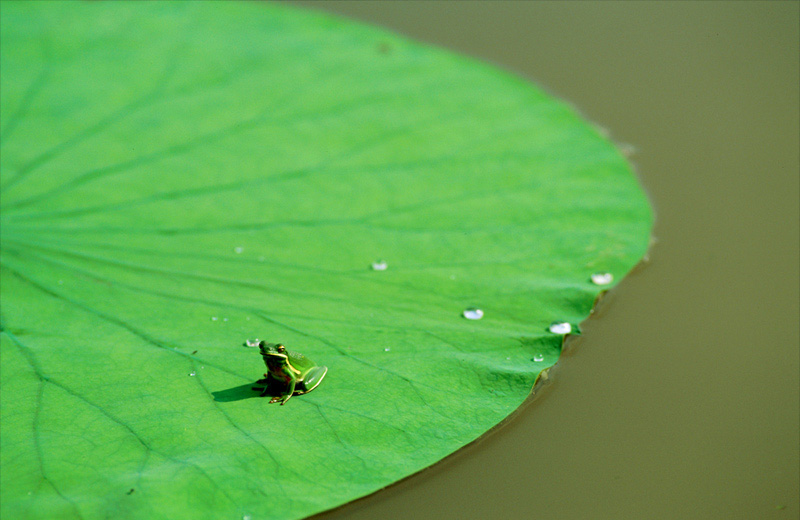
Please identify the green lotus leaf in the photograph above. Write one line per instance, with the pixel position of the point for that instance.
(178, 177)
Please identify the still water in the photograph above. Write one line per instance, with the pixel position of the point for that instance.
(682, 398)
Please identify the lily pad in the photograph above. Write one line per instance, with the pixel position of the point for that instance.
(180, 177)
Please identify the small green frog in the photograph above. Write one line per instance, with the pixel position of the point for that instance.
(288, 373)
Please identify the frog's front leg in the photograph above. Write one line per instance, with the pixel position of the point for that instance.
(269, 385)
(285, 397)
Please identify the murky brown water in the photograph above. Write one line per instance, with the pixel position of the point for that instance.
(682, 399)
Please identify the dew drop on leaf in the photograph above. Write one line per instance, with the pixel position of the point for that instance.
(473, 313)
(238, 250)
(602, 278)
(538, 358)
(560, 327)
(192, 373)
(379, 266)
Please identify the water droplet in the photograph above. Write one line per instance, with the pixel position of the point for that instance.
(246, 517)
(379, 266)
(252, 342)
(473, 313)
(538, 358)
(214, 318)
(602, 278)
(61, 282)
(192, 373)
(560, 327)
(238, 250)
(387, 349)
(224, 319)
(508, 359)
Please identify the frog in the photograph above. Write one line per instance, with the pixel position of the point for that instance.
(288, 373)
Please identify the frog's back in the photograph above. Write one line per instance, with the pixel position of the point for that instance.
(300, 362)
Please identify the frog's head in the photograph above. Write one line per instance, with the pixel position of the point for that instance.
(273, 353)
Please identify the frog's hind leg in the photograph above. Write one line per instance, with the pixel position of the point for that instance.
(313, 379)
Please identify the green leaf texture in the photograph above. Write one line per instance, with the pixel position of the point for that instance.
(180, 177)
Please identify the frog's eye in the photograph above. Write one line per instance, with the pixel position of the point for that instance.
(281, 348)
